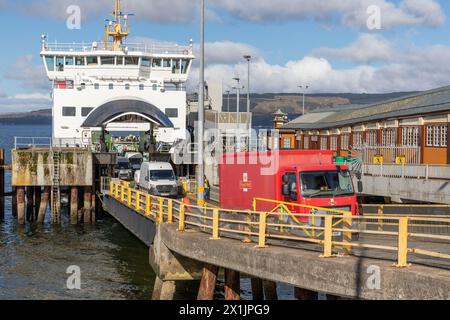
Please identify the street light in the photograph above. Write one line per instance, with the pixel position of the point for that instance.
(305, 88)
(248, 58)
(201, 110)
(238, 89)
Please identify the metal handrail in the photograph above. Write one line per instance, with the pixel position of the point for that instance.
(50, 143)
(253, 226)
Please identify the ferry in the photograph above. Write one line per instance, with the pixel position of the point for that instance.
(115, 86)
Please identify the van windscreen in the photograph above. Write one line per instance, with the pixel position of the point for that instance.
(162, 175)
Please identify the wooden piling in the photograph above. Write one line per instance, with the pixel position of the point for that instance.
(163, 290)
(14, 202)
(232, 285)
(2, 184)
(74, 206)
(37, 202)
(45, 198)
(270, 290)
(30, 203)
(257, 289)
(208, 282)
(94, 208)
(87, 204)
(21, 205)
(305, 294)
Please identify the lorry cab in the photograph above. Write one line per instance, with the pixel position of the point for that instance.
(326, 186)
(158, 178)
(135, 159)
(123, 169)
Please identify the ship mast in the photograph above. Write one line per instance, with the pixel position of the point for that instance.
(116, 30)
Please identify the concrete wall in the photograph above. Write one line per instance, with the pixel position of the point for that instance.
(34, 167)
(432, 190)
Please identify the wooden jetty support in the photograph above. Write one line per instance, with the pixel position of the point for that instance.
(41, 175)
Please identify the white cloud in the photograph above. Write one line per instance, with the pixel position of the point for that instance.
(350, 12)
(24, 102)
(368, 48)
(29, 75)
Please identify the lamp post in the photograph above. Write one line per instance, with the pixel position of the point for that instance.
(248, 58)
(305, 88)
(201, 110)
(238, 89)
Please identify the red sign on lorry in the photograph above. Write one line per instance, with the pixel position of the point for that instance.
(306, 177)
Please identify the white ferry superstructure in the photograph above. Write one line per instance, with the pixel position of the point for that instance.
(117, 86)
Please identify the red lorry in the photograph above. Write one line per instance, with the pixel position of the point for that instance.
(306, 177)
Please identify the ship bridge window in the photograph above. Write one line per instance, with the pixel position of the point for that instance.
(50, 62)
(167, 63)
(69, 61)
(172, 112)
(157, 63)
(79, 61)
(111, 86)
(96, 86)
(60, 63)
(69, 111)
(120, 61)
(176, 65)
(141, 86)
(131, 61)
(107, 60)
(85, 111)
(127, 86)
(145, 62)
(185, 65)
(92, 61)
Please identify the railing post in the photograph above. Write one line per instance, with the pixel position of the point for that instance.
(117, 190)
(160, 211)
(427, 172)
(181, 222)
(380, 218)
(347, 234)
(328, 238)
(254, 204)
(130, 202)
(148, 205)
(111, 188)
(138, 202)
(248, 228)
(262, 230)
(170, 211)
(216, 225)
(402, 261)
(122, 193)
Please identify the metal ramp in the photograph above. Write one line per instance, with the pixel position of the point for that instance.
(56, 190)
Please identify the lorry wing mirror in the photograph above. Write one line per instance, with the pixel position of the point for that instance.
(286, 190)
(360, 187)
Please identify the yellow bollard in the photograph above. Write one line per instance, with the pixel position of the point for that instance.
(262, 230)
(402, 261)
(216, 225)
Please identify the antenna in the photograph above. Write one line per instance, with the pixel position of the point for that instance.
(115, 29)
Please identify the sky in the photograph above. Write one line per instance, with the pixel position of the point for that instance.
(333, 46)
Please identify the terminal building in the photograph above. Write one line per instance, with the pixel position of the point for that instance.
(409, 130)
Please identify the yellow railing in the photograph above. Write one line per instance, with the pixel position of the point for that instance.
(399, 236)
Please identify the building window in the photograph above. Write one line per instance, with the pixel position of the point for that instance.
(372, 137)
(334, 143)
(172, 112)
(389, 137)
(92, 61)
(345, 141)
(306, 143)
(69, 111)
(323, 143)
(437, 136)
(85, 111)
(410, 136)
(286, 143)
(358, 140)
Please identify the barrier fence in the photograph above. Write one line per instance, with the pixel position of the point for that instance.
(332, 231)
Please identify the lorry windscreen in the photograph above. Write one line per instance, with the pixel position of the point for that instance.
(317, 184)
(124, 165)
(156, 175)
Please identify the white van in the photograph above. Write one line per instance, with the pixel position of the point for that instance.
(158, 178)
(135, 159)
